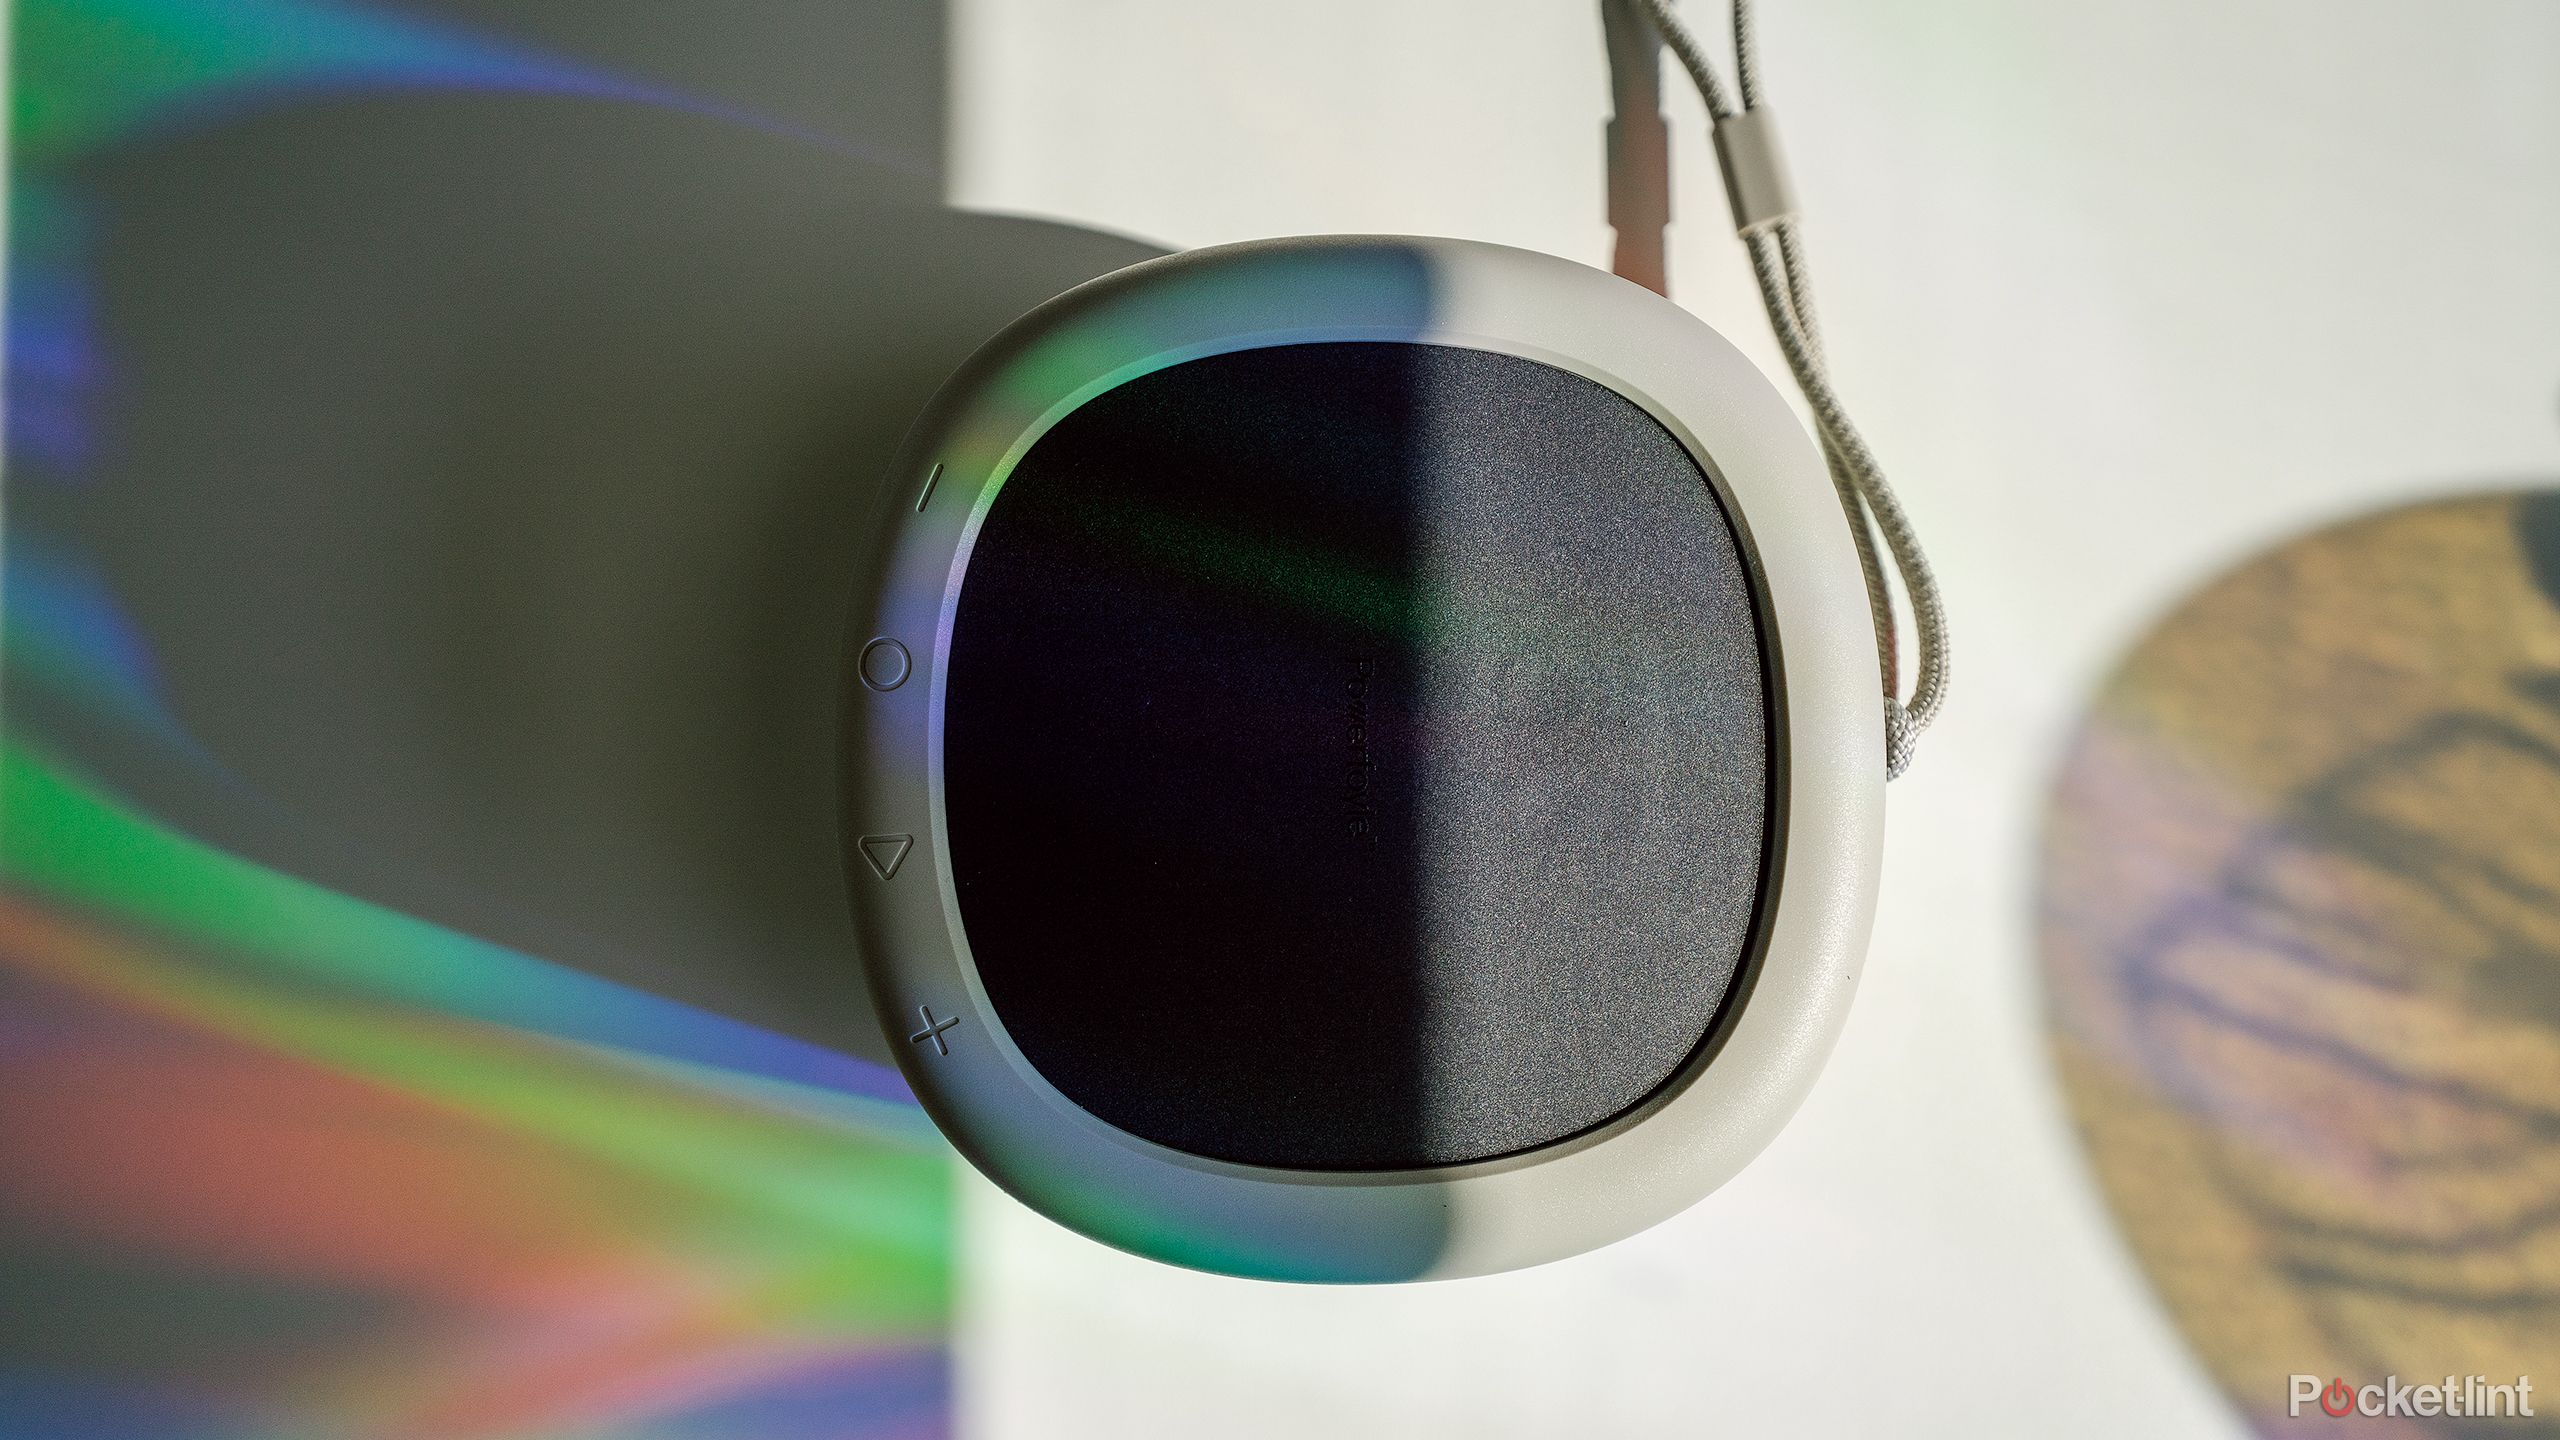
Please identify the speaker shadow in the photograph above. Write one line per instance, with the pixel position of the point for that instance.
(485, 478)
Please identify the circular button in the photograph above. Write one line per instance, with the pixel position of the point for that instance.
(885, 664)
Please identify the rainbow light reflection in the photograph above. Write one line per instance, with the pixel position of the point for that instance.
(279, 1162)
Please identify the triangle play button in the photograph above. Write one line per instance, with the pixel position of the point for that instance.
(886, 852)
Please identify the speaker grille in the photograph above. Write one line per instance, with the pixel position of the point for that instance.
(1355, 756)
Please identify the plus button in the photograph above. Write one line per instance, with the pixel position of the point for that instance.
(932, 1030)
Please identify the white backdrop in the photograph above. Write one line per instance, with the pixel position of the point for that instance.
(2121, 292)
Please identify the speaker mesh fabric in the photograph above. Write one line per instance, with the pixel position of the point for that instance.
(1355, 755)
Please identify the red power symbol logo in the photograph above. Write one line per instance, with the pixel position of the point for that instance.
(2338, 1399)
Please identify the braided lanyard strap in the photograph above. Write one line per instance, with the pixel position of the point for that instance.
(1764, 215)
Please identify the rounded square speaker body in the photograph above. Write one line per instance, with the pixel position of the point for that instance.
(1364, 759)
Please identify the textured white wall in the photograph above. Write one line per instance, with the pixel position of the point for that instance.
(2121, 292)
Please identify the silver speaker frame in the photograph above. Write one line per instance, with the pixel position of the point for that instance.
(1827, 737)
